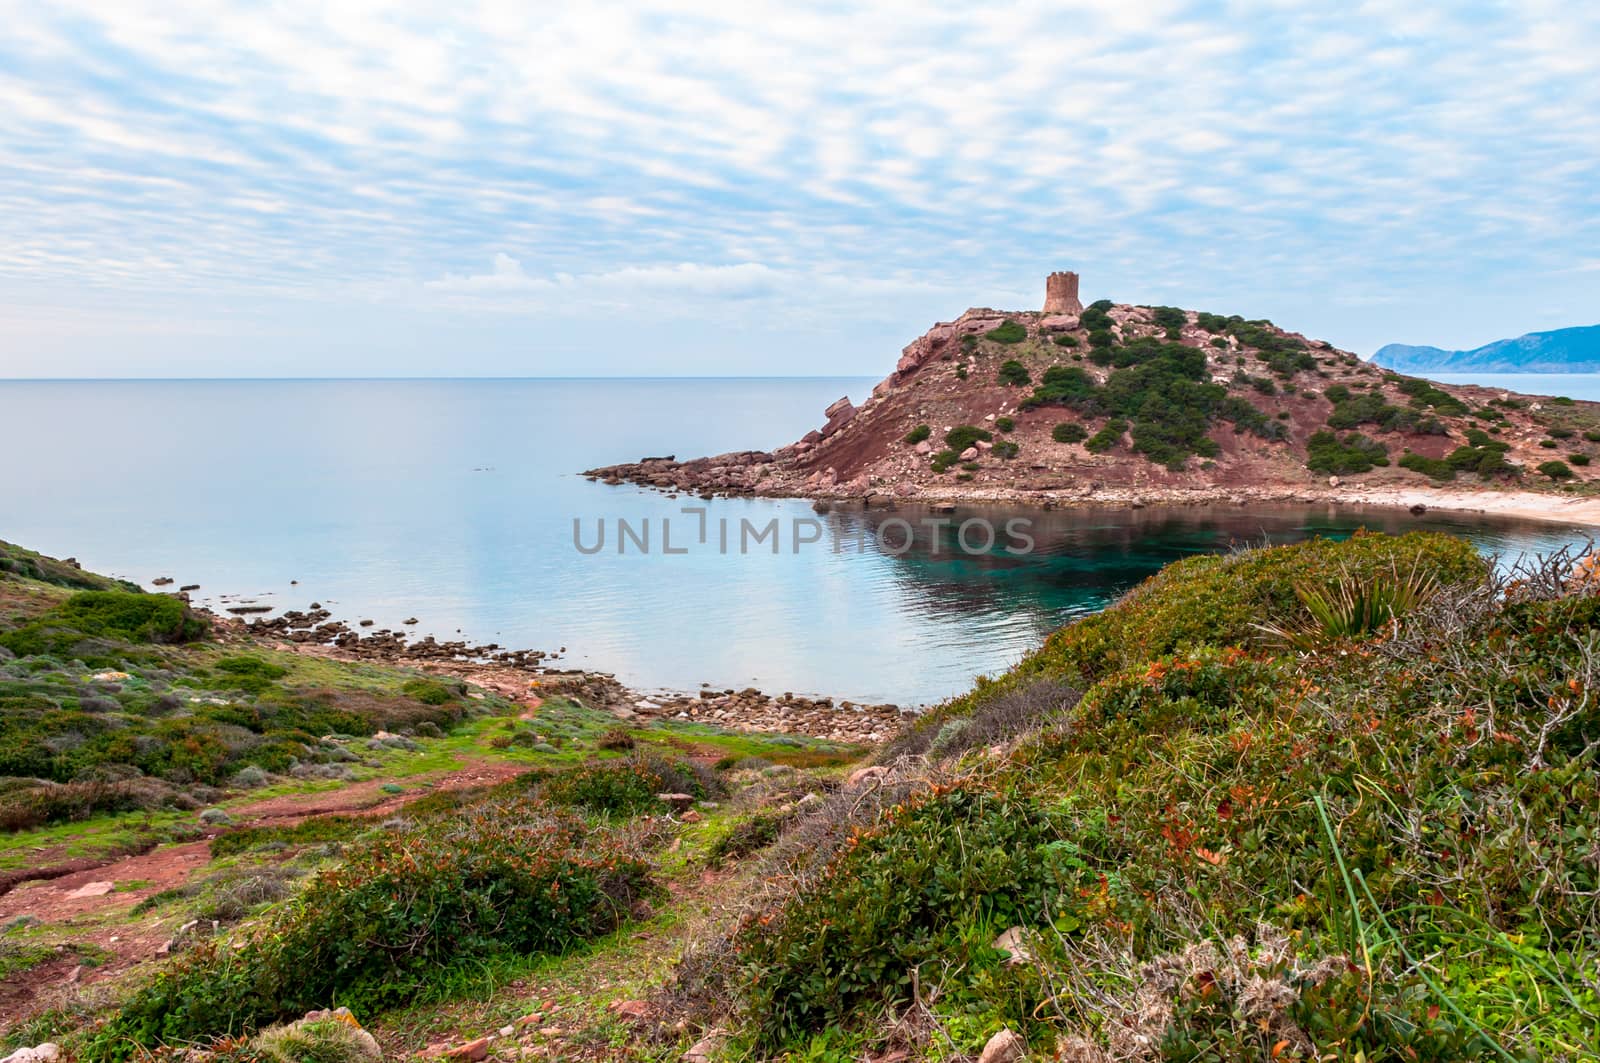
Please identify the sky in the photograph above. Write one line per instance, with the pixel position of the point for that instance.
(503, 188)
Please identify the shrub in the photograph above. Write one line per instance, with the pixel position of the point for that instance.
(624, 788)
(1548, 444)
(1326, 452)
(1006, 449)
(1108, 436)
(896, 899)
(1353, 605)
(1218, 600)
(1008, 332)
(1066, 339)
(963, 436)
(1556, 470)
(1592, 435)
(108, 615)
(1580, 459)
(1005, 424)
(503, 877)
(250, 674)
(430, 691)
(617, 738)
(745, 837)
(1069, 432)
(961, 372)
(1013, 373)
(1170, 317)
(1063, 385)
(1436, 468)
(918, 434)
(1559, 433)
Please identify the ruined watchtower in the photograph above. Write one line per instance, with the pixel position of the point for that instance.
(1061, 294)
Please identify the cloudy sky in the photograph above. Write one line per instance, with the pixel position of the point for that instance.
(497, 187)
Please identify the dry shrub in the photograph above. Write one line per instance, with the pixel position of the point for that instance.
(25, 808)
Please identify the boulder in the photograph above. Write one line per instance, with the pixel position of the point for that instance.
(839, 406)
(1014, 944)
(969, 453)
(1058, 323)
(702, 1050)
(863, 776)
(48, 1052)
(905, 489)
(1003, 1047)
(677, 801)
(924, 447)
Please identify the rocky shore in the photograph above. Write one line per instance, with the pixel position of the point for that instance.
(526, 676)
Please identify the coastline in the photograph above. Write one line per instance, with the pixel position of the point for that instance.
(1547, 507)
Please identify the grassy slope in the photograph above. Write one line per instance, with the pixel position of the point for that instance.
(1215, 849)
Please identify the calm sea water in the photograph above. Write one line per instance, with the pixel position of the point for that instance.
(454, 501)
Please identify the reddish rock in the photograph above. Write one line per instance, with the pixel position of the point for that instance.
(471, 1052)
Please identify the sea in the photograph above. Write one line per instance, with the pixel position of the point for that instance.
(461, 503)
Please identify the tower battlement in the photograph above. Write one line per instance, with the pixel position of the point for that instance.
(1061, 293)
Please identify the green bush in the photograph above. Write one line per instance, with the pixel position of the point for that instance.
(1592, 435)
(618, 788)
(430, 691)
(1556, 470)
(1170, 317)
(944, 459)
(1069, 432)
(963, 436)
(505, 877)
(106, 615)
(1013, 373)
(899, 897)
(1559, 433)
(1108, 436)
(1326, 452)
(961, 372)
(1006, 449)
(1066, 339)
(918, 434)
(1580, 459)
(1436, 468)
(1008, 332)
(1005, 424)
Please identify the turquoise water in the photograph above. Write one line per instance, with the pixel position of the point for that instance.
(454, 501)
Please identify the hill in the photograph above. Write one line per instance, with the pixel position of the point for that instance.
(1129, 403)
(1568, 350)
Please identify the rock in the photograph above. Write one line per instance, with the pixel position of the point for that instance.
(92, 889)
(984, 444)
(924, 447)
(632, 1009)
(677, 801)
(471, 1052)
(702, 1050)
(1418, 510)
(1058, 323)
(1014, 944)
(162, 581)
(969, 453)
(690, 816)
(862, 776)
(905, 489)
(1003, 1047)
(839, 406)
(48, 1052)
(1333, 481)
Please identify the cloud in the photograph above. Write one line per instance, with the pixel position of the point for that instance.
(820, 161)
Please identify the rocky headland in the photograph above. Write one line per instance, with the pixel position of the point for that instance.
(1119, 403)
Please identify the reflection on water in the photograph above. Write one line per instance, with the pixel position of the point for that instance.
(453, 501)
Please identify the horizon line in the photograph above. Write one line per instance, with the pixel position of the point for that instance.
(386, 379)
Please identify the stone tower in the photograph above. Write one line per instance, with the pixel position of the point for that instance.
(1061, 294)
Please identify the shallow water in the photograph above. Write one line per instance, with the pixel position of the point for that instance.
(454, 501)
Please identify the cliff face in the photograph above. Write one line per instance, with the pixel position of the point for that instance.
(1128, 402)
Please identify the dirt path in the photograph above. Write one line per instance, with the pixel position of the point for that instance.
(94, 902)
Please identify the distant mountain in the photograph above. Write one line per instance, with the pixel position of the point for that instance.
(1567, 350)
